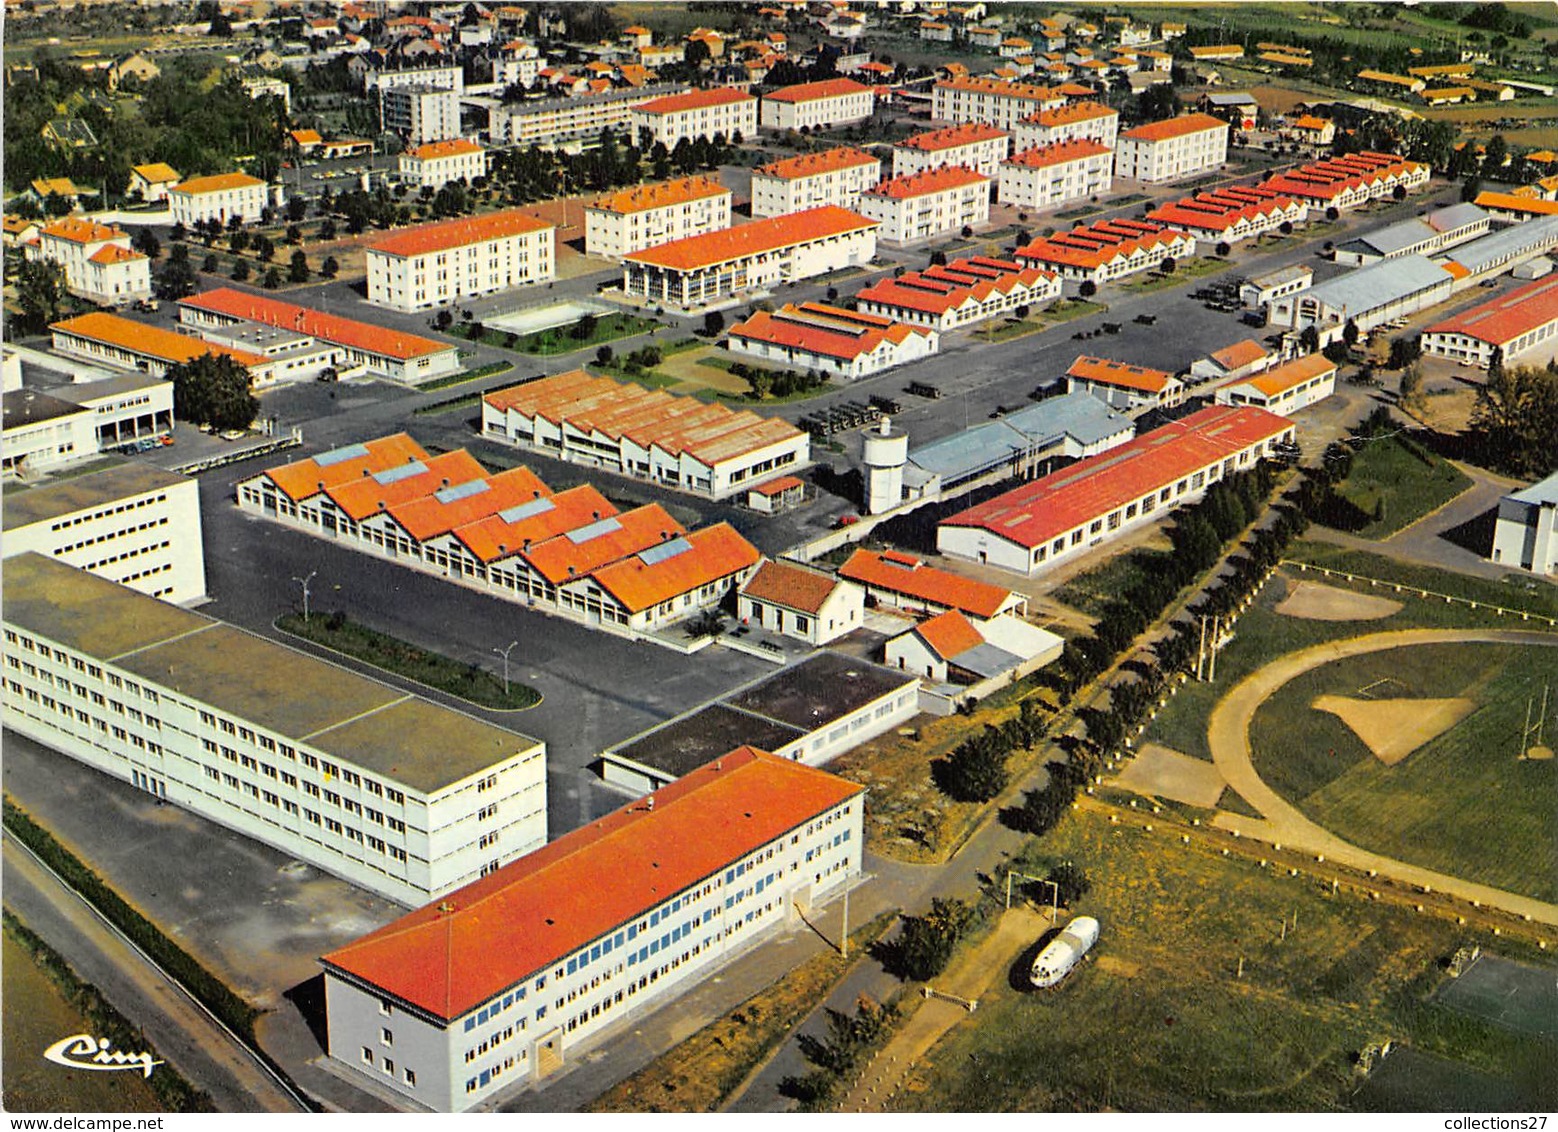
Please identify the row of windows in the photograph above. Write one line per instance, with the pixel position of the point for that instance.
(104, 512)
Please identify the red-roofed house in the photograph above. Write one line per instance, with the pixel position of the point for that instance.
(820, 105)
(695, 114)
(1123, 386)
(438, 264)
(1171, 149)
(98, 262)
(797, 601)
(1522, 324)
(923, 205)
(1067, 513)
(832, 340)
(1285, 389)
(1109, 249)
(958, 293)
(1239, 360)
(612, 919)
(1348, 181)
(832, 177)
(220, 197)
(901, 581)
(1054, 174)
(959, 659)
(1231, 214)
(972, 145)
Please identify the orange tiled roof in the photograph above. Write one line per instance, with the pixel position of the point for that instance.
(1240, 354)
(460, 233)
(454, 147)
(941, 180)
(756, 238)
(812, 92)
(1175, 127)
(598, 542)
(949, 634)
(969, 133)
(1107, 371)
(452, 956)
(815, 164)
(1074, 112)
(113, 253)
(1509, 201)
(693, 100)
(154, 342)
(907, 575)
(510, 532)
(220, 182)
(826, 331)
(1284, 377)
(1025, 91)
(448, 508)
(661, 195)
(1499, 321)
(386, 488)
(778, 486)
(1058, 153)
(711, 554)
(941, 288)
(81, 231)
(157, 173)
(306, 137)
(348, 332)
(303, 478)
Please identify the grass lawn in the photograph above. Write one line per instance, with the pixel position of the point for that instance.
(1092, 590)
(1064, 310)
(1184, 270)
(560, 339)
(700, 1072)
(465, 375)
(464, 681)
(1158, 1020)
(1391, 479)
(991, 331)
(1521, 593)
(1462, 803)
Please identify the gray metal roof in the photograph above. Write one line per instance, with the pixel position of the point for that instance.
(1414, 230)
(1454, 216)
(1479, 255)
(1231, 98)
(1541, 493)
(986, 660)
(1379, 284)
(1084, 418)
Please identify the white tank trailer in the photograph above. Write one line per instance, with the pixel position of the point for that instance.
(1064, 952)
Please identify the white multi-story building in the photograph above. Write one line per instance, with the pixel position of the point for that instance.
(550, 122)
(1071, 122)
(749, 258)
(927, 204)
(516, 62)
(695, 114)
(220, 197)
(507, 980)
(817, 106)
(1525, 534)
(641, 217)
(995, 103)
(1054, 174)
(1521, 325)
(1171, 149)
(420, 114)
(436, 164)
(972, 145)
(42, 432)
(98, 261)
(386, 790)
(440, 263)
(833, 177)
(131, 523)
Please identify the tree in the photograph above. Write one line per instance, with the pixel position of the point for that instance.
(210, 264)
(297, 271)
(297, 208)
(177, 278)
(1333, 213)
(213, 390)
(603, 356)
(56, 205)
(938, 258)
(272, 279)
(329, 268)
(1309, 339)
(925, 943)
(1350, 333)
(1471, 188)
(1223, 248)
(1168, 266)
(179, 233)
(327, 230)
(713, 324)
(238, 240)
(585, 328)
(264, 250)
(1088, 289)
(976, 769)
(1071, 883)
(294, 234)
(240, 272)
(1411, 384)
(145, 241)
(1404, 351)
(40, 289)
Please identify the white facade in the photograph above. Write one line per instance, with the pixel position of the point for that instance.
(420, 114)
(973, 146)
(1072, 122)
(1526, 531)
(436, 164)
(996, 103)
(1286, 389)
(44, 432)
(832, 340)
(98, 262)
(1171, 149)
(696, 114)
(130, 523)
(817, 106)
(1366, 296)
(642, 217)
(433, 266)
(958, 293)
(928, 204)
(317, 780)
(833, 177)
(1066, 171)
(554, 1011)
(221, 197)
(551, 122)
(797, 601)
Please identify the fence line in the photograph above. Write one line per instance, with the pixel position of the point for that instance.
(1408, 588)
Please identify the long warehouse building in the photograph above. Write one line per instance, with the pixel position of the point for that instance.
(384, 789)
(1521, 325)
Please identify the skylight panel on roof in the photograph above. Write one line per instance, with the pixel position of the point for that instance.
(403, 471)
(668, 549)
(339, 455)
(593, 531)
(527, 510)
(461, 491)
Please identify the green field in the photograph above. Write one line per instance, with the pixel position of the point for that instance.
(1404, 485)
(1091, 591)
(1462, 803)
(1158, 1021)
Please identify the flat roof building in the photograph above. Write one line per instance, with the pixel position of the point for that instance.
(357, 778)
(438, 264)
(1525, 533)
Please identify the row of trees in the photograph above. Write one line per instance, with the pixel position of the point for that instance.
(848, 1039)
(1514, 428)
(976, 770)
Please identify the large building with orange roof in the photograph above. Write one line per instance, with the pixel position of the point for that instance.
(1123, 386)
(821, 105)
(1348, 181)
(811, 180)
(973, 145)
(97, 259)
(1171, 149)
(436, 164)
(965, 291)
(504, 981)
(643, 216)
(1067, 123)
(1521, 325)
(220, 197)
(1286, 388)
(437, 264)
(680, 442)
(843, 343)
(1053, 174)
(693, 115)
(750, 258)
(123, 343)
(1231, 214)
(923, 205)
(1107, 250)
(991, 101)
(360, 347)
(569, 553)
(1066, 514)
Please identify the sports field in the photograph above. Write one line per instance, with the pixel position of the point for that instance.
(1457, 797)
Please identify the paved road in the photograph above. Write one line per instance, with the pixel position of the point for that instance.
(1228, 735)
(181, 1033)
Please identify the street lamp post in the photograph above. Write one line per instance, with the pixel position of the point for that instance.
(304, 583)
(504, 653)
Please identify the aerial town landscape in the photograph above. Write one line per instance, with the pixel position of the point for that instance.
(846, 556)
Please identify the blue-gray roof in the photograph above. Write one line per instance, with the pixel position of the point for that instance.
(1455, 216)
(1414, 230)
(986, 660)
(1084, 418)
(1379, 284)
(1533, 236)
(1541, 493)
(1231, 98)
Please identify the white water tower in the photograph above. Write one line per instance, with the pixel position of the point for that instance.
(886, 452)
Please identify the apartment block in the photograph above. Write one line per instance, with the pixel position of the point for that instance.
(441, 263)
(832, 177)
